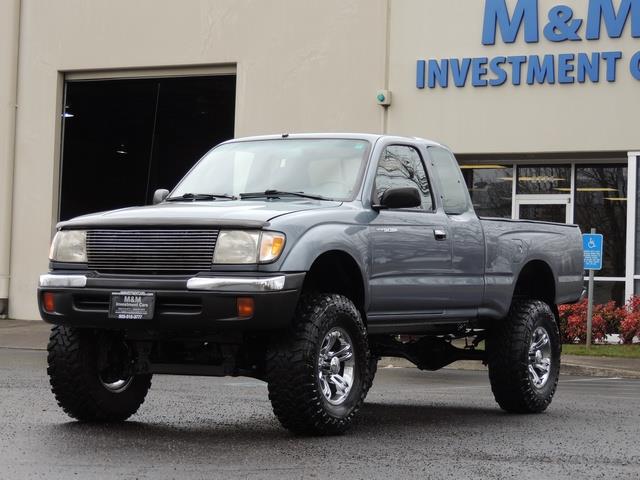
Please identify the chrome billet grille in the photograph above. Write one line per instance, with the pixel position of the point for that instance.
(160, 251)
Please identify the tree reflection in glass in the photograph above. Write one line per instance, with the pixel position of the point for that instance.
(490, 187)
(401, 166)
(601, 203)
(544, 179)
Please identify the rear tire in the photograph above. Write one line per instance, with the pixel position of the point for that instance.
(81, 389)
(524, 358)
(318, 371)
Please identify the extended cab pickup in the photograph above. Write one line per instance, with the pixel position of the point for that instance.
(300, 260)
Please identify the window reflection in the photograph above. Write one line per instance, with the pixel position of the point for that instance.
(446, 169)
(601, 203)
(606, 291)
(544, 179)
(545, 213)
(490, 187)
(402, 166)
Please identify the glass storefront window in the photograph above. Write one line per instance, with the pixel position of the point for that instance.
(606, 291)
(601, 203)
(490, 187)
(546, 213)
(544, 179)
(543, 192)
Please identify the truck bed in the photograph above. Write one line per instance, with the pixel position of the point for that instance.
(511, 245)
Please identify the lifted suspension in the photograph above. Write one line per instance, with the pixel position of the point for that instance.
(428, 353)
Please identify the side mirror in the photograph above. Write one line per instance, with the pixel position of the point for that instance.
(404, 197)
(159, 195)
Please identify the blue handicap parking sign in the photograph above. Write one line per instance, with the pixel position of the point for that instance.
(592, 246)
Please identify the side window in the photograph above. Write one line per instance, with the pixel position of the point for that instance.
(454, 198)
(401, 166)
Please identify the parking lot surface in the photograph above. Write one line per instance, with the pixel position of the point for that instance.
(414, 424)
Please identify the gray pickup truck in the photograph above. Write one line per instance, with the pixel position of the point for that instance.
(301, 260)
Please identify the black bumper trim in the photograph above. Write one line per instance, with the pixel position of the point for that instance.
(177, 309)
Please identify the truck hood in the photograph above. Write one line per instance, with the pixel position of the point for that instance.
(225, 213)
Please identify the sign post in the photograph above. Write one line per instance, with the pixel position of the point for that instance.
(592, 245)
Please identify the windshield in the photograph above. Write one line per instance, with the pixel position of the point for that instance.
(328, 168)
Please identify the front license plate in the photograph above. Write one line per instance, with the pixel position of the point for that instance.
(132, 305)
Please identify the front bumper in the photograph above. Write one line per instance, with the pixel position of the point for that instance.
(203, 302)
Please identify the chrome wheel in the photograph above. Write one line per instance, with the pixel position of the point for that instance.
(116, 386)
(539, 357)
(336, 366)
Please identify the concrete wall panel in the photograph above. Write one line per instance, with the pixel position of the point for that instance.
(302, 66)
(508, 119)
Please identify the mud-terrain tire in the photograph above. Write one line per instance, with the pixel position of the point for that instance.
(81, 390)
(524, 358)
(306, 385)
(373, 369)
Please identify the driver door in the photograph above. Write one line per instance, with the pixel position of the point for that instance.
(411, 248)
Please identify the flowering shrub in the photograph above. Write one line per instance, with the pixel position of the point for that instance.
(608, 318)
(630, 326)
(573, 321)
(611, 314)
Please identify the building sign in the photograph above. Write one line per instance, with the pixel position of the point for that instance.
(561, 24)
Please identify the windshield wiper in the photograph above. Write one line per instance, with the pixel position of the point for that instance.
(281, 193)
(194, 197)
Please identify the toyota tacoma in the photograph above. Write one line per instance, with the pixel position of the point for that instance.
(301, 260)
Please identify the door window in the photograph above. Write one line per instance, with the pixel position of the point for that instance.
(544, 179)
(401, 166)
(553, 212)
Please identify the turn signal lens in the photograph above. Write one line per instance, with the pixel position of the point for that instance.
(49, 302)
(271, 246)
(246, 307)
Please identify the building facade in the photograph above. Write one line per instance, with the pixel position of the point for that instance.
(101, 102)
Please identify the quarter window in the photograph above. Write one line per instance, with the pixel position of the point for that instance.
(454, 190)
(401, 166)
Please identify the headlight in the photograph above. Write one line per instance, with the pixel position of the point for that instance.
(69, 246)
(248, 246)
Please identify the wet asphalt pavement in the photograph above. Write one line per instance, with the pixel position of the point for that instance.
(414, 425)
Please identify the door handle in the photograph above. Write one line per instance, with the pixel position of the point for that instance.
(439, 234)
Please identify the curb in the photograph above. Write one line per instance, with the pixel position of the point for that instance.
(589, 371)
(565, 369)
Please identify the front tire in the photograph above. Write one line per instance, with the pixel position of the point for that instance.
(85, 391)
(524, 358)
(318, 372)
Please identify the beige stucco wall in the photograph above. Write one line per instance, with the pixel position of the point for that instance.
(302, 66)
(9, 20)
(539, 118)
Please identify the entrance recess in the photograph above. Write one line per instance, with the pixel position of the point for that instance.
(546, 209)
(123, 138)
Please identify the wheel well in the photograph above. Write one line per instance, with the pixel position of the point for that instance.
(336, 272)
(536, 281)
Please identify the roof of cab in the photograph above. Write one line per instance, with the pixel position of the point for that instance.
(373, 138)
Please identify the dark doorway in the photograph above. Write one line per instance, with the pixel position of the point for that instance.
(123, 139)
